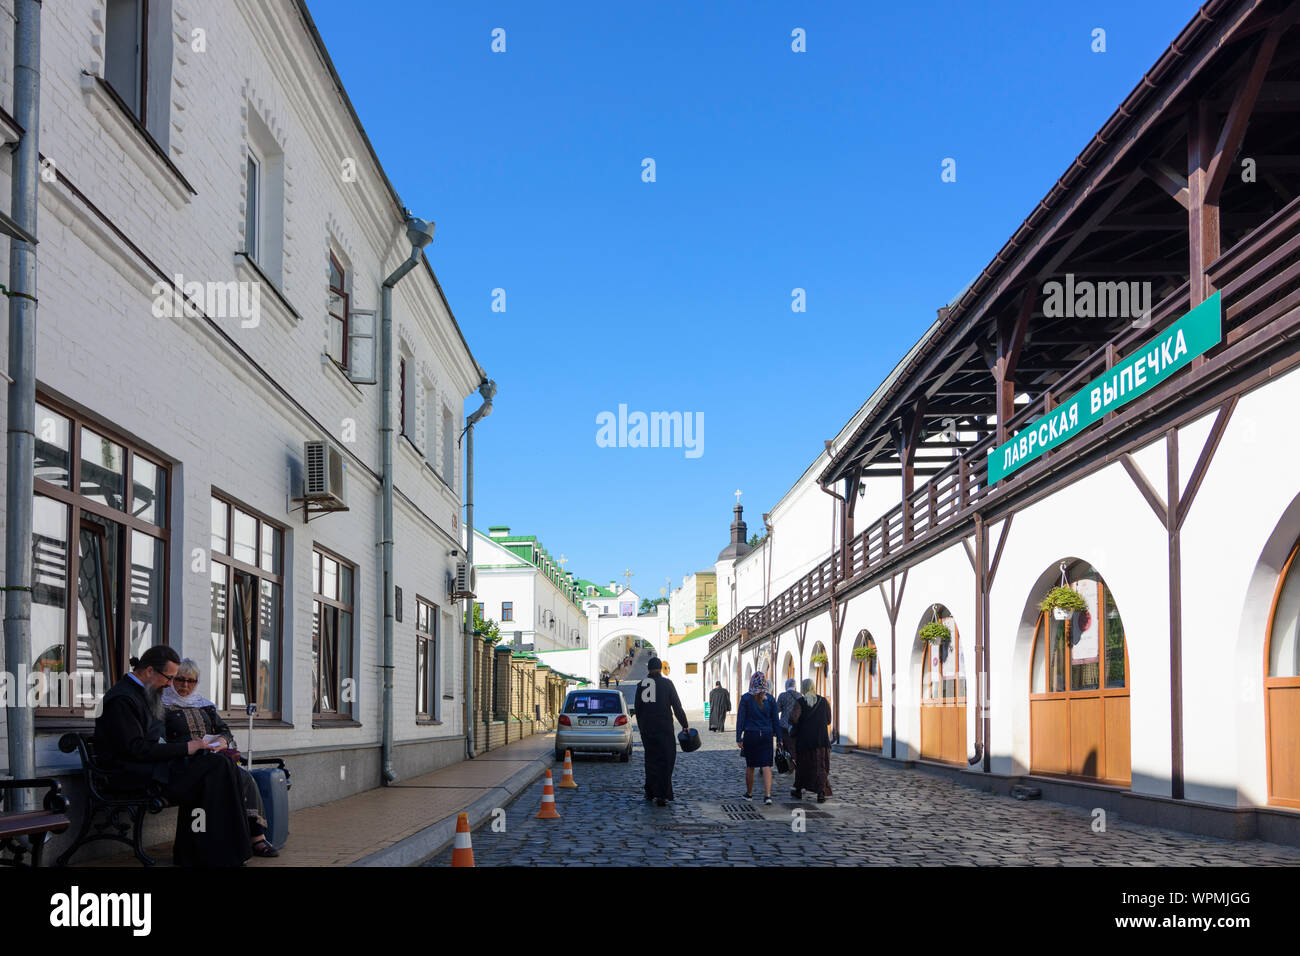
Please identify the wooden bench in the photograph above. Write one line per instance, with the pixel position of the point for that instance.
(109, 804)
(31, 823)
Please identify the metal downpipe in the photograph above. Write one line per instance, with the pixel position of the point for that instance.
(487, 389)
(21, 408)
(388, 774)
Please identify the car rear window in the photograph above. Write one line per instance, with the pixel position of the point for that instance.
(594, 704)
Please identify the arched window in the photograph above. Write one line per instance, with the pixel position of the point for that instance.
(1282, 688)
(820, 665)
(1079, 685)
(868, 668)
(788, 669)
(943, 676)
(869, 710)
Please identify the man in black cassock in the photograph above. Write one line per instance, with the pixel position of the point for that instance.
(719, 707)
(129, 738)
(655, 703)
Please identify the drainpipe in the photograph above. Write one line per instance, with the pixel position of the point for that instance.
(487, 389)
(840, 550)
(420, 234)
(21, 438)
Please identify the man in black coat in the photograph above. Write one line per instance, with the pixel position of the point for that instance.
(655, 703)
(129, 739)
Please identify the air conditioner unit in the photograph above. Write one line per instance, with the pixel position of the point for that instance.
(466, 579)
(323, 480)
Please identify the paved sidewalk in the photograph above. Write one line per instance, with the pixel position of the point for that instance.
(403, 824)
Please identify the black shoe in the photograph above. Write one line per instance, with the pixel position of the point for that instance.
(821, 798)
(796, 793)
(264, 848)
(749, 796)
(661, 802)
(767, 801)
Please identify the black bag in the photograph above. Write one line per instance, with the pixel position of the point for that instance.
(689, 739)
(782, 760)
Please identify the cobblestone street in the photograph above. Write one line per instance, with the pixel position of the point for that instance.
(878, 816)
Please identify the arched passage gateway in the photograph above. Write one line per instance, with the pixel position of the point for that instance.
(1282, 688)
(820, 665)
(943, 690)
(1079, 683)
(787, 669)
(869, 711)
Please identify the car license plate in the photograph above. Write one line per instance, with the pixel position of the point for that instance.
(591, 721)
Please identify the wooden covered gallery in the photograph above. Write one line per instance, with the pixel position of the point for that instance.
(1109, 408)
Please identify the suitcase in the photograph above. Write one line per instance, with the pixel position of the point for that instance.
(274, 786)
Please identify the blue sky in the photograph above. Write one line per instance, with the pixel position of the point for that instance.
(775, 170)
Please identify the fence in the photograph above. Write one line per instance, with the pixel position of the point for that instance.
(515, 696)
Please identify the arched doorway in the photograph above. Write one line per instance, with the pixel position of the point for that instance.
(787, 669)
(749, 673)
(820, 665)
(1079, 685)
(943, 691)
(869, 711)
(1282, 688)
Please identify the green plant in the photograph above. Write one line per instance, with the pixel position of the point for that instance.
(1065, 598)
(818, 660)
(935, 633)
(487, 627)
(867, 653)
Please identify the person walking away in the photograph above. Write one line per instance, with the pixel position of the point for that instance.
(784, 704)
(719, 707)
(757, 724)
(655, 703)
(808, 721)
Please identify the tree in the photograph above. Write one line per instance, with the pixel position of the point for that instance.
(485, 626)
(711, 609)
(756, 540)
(648, 606)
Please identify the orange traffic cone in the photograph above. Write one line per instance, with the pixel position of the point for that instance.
(463, 854)
(567, 782)
(548, 811)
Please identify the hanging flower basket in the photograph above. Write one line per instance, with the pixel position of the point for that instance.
(819, 660)
(935, 633)
(867, 653)
(1063, 601)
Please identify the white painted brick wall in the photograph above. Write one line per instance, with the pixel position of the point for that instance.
(174, 386)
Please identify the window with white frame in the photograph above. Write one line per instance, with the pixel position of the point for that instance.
(448, 447)
(264, 199)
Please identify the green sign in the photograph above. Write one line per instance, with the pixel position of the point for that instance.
(1192, 335)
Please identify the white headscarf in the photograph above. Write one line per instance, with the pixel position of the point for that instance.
(194, 699)
(809, 695)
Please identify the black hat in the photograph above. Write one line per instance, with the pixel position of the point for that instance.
(654, 664)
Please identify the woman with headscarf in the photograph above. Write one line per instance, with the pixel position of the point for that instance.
(191, 716)
(784, 704)
(808, 721)
(757, 724)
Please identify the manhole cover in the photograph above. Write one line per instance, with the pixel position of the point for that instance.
(741, 811)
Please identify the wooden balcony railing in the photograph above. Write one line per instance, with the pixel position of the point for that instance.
(1260, 282)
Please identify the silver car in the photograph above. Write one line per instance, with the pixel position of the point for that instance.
(594, 721)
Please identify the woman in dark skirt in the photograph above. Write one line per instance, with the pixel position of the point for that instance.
(808, 721)
(757, 725)
(190, 716)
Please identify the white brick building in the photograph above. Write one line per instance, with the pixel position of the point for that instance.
(248, 144)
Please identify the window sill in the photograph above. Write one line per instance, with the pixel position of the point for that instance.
(427, 722)
(279, 306)
(238, 720)
(321, 723)
(408, 446)
(135, 140)
(336, 374)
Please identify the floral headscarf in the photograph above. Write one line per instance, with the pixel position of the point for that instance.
(758, 684)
